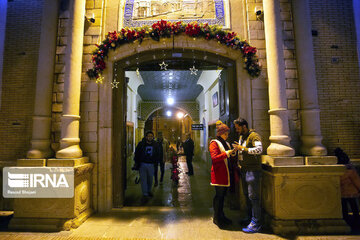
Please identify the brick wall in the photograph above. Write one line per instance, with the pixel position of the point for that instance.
(337, 73)
(19, 77)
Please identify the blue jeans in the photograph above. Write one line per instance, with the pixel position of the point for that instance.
(146, 177)
(251, 182)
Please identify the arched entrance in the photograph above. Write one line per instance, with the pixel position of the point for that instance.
(112, 107)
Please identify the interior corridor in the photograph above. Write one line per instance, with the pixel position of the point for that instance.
(192, 191)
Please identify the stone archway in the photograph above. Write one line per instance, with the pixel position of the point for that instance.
(149, 108)
(106, 127)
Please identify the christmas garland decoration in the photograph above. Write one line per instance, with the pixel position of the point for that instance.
(165, 29)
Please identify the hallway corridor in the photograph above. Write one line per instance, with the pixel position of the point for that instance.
(192, 192)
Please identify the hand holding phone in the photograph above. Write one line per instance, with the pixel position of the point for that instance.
(235, 145)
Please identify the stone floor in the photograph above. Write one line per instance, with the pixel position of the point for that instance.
(175, 212)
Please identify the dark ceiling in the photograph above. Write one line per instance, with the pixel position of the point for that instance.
(180, 84)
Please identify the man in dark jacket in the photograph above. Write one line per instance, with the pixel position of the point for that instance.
(189, 153)
(146, 155)
(250, 148)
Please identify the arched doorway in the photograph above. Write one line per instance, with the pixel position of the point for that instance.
(112, 109)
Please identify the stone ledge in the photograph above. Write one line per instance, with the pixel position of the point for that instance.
(29, 162)
(333, 169)
(54, 162)
(320, 160)
(282, 161)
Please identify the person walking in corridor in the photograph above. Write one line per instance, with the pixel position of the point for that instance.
(189, 153)
(220, 152)
(163, 145)
(146, 155)
(249, 149)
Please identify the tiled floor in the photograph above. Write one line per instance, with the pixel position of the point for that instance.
(175, 212)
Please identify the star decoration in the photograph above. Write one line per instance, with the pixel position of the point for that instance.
(114, 84)
(163, 66)
(193, 70)
(99, 79)
(137, 72)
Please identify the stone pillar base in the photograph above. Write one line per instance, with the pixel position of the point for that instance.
(48, 224)
(307, 226)
(55, 214)
(280, 150)
(303, 199)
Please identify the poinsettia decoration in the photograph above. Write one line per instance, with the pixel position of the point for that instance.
(167, 29)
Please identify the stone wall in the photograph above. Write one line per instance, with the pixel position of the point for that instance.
(89, 89)
(337, 73)
(260, 95)
(19, 76)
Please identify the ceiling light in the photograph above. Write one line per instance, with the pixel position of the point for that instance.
(180, 115)
(168, 113)
(170, 101)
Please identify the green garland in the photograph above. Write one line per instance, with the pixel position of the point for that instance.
(163, 29)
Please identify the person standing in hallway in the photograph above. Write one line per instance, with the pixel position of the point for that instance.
(249, 150)
(179, 145)
(220, 152)
(189, 153)
(163, 145)
(146, 155)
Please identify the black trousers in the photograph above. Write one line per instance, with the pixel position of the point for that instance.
(189, 164)
(354, 221)
(162, 171)
(218, 202)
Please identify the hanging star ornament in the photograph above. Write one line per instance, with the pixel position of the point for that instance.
(193, 70)
(99, 79)
(137, 72)
(163, 66)
(114, 84)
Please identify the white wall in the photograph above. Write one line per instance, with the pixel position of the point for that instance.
(209, 81)
(133, 97)
(3, 8)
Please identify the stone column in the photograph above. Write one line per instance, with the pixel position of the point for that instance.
(69, 143)
(310, 113)
(279, 126)
(40, 143)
